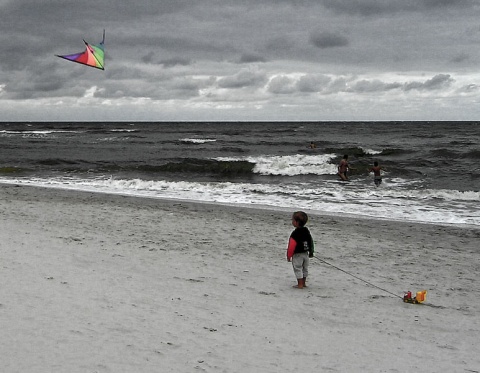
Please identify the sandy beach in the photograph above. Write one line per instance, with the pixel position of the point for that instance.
(108, 283)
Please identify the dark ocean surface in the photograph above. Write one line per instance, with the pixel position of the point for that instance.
(432, 171)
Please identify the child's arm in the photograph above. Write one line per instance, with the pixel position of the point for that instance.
(292, 244)
(312, 250)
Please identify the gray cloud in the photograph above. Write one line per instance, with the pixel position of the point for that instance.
(76, 13)
(379, 7)
(249, 52)
(375, 86)
(251, 57)
(175, 61)
(313, 83)
(244, 78)
(459, 58)
(470, 88)
(148, 58)
(324, 39)
(437, 82)
(281, 85)
(279, 46)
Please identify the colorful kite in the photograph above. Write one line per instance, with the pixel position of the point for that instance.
(93, 55)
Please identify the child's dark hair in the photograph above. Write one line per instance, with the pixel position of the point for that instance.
(300, 217)
(375, 163)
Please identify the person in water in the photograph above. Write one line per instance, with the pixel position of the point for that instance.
(300, 248)
(344, 167)
(377, 176)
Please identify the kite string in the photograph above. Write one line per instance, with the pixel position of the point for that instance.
(358, 278)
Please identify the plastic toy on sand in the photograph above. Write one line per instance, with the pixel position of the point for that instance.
(420, 297)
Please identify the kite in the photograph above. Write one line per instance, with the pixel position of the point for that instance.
(93, 55)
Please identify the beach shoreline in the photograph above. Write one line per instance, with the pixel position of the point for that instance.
(113, 283)
(259, 207)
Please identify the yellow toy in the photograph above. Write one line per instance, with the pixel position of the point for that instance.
(420, 297)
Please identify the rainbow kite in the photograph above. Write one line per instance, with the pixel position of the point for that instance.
(93, 55)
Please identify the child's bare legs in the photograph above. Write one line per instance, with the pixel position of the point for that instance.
(300, 268)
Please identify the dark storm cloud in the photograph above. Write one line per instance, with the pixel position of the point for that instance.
(188, 46)
(16, 49)
(378, 7)
(460, 58)
(150, 58)
(88, 11)
(165, 88)
(251, 58)
(31, 29)
(279, 46)
(40, 87)
(430, 4)
(127, 72)
(246, 51)
(175, 61)
(366, 7)
(323, 39)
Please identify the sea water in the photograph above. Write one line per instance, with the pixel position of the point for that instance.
(431, 168)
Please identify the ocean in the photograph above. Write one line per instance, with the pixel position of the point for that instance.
(432, 172)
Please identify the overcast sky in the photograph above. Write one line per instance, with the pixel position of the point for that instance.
(240, 60)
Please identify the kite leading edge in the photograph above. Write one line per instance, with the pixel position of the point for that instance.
(93, 55)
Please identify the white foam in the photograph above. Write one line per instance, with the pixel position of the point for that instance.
(35, 132)
(371, 151)
(429, 206)
(289, 165)
(197, 141)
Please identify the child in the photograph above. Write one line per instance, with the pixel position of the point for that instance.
(300, 248)
(377, 177)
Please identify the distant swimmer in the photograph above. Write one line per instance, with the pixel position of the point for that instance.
(377, 176)
(312, 145)
(344, 167)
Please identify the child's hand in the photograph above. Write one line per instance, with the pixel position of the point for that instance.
(289, 259)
